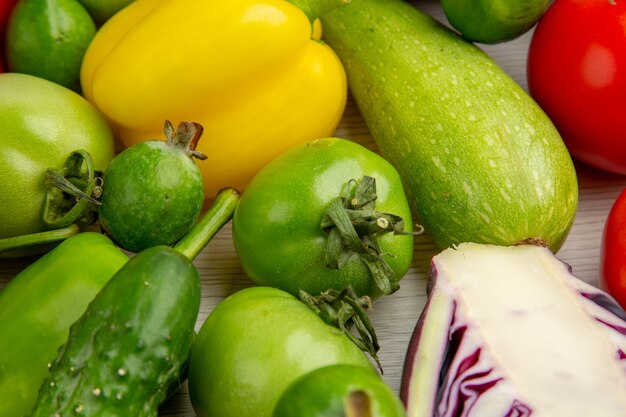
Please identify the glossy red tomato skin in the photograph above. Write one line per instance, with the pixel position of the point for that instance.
(5, 10)
(613, 252)
(6, 6)
(577, 74)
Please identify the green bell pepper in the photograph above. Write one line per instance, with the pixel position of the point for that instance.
(40, 304)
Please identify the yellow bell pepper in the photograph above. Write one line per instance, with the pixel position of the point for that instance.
(250, 71)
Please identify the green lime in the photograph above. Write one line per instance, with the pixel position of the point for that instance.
(48, 38)
(339, 391)
(490, 21)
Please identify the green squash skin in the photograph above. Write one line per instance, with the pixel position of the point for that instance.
(493, 21)
(480, 160)
(39, 305)
(124, 353)
(152, 195)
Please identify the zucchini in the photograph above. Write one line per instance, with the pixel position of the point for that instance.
(123, 355)
(480, 160)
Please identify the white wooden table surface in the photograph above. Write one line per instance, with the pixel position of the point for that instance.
(395, 316)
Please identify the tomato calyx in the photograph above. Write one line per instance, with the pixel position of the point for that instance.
(345, 310)
(68, 202)
(185, 137)
(354, 226)
(72, 192)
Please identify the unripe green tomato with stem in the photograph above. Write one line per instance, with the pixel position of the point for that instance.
(288, 229)
(253, 345)
(42, 123)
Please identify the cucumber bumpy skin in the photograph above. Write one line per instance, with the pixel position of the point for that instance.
(125, 352)
(480, 160)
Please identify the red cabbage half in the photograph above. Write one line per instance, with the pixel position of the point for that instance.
(510, 332)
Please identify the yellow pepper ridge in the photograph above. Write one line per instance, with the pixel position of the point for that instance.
(257, 79)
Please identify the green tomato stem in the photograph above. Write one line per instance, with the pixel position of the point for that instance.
(42, 238)
(66, 202)
(220, 212)
(354, 227)
(345, 310)
(314, 9)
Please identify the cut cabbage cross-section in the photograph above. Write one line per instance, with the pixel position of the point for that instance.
(510, 332)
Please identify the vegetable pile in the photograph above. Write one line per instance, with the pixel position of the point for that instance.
(114, 297)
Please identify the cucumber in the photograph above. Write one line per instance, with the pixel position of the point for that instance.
(125, 352)
(480, 160)
(493, 21)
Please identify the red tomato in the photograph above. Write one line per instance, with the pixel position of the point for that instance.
(577, 74)
(613, 253)
(5, 11)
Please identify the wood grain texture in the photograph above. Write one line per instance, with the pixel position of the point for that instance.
(395, 316)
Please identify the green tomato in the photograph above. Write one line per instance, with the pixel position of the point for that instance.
(277, 229)
(339, 391)
(42, 123)
(253, 345)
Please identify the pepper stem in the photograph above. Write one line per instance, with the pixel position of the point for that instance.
(314, 9)
(346, 310)
(220, 212)
(36, 239)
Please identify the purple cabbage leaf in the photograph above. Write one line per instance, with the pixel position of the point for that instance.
(510, 332)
